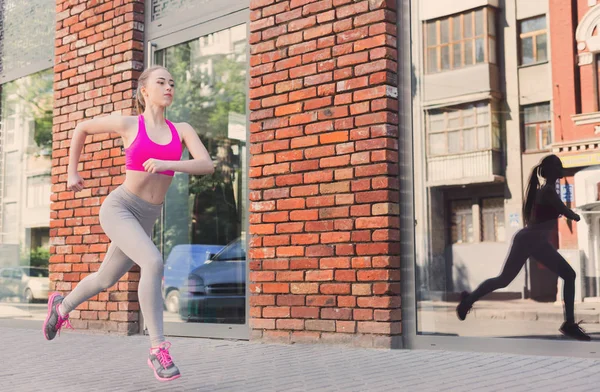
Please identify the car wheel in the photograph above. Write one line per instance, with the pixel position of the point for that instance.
(28, 296)
(172, 301)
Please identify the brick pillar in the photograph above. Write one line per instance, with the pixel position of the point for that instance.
(324, 187)
(99, 55)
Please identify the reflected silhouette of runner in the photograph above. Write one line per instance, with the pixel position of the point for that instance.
(541, 211)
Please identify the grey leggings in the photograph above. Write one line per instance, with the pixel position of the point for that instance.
(128, 221)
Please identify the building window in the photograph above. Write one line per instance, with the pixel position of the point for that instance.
(10, 224)
(462, 221)
(492, 219)
(537, 127)
(460, 40)
(462, 129)
(597, 74)
(11, 175)
(534, 40)
(38, 191)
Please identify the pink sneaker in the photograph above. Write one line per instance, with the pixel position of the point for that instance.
(54, 321)
(161, 363)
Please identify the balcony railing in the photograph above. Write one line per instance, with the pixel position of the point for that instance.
(468, 168)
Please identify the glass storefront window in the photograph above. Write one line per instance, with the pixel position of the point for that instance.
(25, 179)
(202, 233)
(478, 135)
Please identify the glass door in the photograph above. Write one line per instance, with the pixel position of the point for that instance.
(202, 231)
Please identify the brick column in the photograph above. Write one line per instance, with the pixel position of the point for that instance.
(99, 55)
(324, 186)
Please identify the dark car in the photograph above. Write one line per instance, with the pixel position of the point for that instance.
(181, 261)
(215, 292)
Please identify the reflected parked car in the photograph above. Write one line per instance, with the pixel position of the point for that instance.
(27, 283)
(181, 261)
(216, 291)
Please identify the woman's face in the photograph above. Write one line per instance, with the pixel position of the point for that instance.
(159, 89)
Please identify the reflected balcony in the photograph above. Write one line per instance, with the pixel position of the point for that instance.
(467, 168)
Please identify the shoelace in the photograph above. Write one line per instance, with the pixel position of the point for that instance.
(163, 355)
(62, 321)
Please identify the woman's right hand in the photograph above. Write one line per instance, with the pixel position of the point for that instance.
(75, 182)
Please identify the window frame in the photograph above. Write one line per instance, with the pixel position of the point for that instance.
(456, 222)
(489, 39)
(462, 226)
(534, 37)
(539, 128)
(475, 109)
(496, 212)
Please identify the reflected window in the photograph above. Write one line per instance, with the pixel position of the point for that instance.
(459, 129)
(460, 40)
(461, 221)
(492, 219)
(537, 127)
(533, 40)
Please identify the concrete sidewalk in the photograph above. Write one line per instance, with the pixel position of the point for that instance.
(85, 362)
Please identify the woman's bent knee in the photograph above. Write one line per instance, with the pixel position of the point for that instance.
(155, 266)
(569, 274)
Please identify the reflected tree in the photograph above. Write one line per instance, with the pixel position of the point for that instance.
(204, 209)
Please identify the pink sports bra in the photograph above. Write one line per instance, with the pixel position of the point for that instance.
(143, 149)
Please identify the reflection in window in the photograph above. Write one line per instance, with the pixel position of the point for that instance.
(10, 225)
(461, 221)
(533, 37)
(492, 219)
(461, 129)
(204, 216)
(461, 40)
(211, 96)
(537, 127)
(25, 166)
(597, 72)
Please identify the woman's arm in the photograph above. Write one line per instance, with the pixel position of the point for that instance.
(200, 164)
(108, 124)
(552, 197)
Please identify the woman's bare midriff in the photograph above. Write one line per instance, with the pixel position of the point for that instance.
(151, 187)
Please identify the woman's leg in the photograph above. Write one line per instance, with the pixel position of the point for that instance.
(517, 256)
(549, 257)
(131, 235)
(114, 265)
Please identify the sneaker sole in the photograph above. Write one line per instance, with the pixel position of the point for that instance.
(50, 302)
(160, 378)
(573, 337)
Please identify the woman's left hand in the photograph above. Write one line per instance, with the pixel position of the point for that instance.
(155, 165)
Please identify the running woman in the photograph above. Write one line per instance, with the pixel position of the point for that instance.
(153, 147)
(541, 211)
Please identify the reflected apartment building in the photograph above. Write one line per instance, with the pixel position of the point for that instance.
(483, 100)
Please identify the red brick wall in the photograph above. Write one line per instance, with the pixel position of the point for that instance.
(99, 53)
(564, 63)
(324, 174)
(564, 68)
